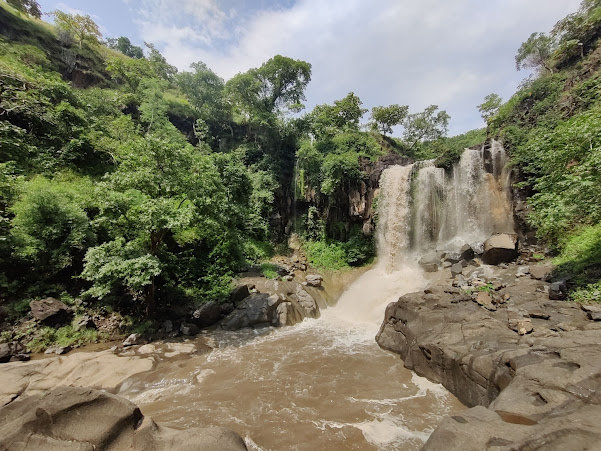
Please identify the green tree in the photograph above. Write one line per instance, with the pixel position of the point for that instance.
(429, 125)
(278, 85)
(31, 7)
(51, 228)
(535, 53)
(124, 45)
(206, 92)
(344, 115)
(490, 106)
(82, 28)
(161, 67)
(386, 117)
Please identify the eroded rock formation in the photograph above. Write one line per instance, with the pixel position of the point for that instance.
(530, 367)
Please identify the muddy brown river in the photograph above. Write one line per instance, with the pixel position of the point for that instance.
(322, 384)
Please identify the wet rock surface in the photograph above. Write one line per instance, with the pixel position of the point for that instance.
(529, 367)
(71, 418)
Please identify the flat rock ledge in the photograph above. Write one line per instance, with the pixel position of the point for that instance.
(82, 419)
(529, 388)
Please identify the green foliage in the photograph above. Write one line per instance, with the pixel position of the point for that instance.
(386, 117)
(535, 53)
(51, 228)
(278, 85)
(64, 336)
(429, 125)
(123, 45)
(326, 255)
(269, 270)
(590, 293)
(81, 27)
(490, 106)
(31, 7)
(328, 120)
(255, 251)
(339, 168)
(580, 251)
(330, 254)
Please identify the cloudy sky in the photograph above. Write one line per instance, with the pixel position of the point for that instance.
(416, 52)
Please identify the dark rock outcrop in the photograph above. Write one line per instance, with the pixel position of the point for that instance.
(258, 308)
(207, 314)
(51, 312)
(14, 351)
(535, 364)
(70, 418)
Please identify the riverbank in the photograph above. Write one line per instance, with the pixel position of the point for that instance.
(529, 367)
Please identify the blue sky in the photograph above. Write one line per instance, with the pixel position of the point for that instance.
(416, 52)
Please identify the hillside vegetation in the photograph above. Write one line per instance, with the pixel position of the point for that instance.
(128, 186)
(552, 129)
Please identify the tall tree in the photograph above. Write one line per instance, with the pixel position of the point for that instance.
(278, 85)
(82, 28)
(124, 45)
(344, 115)
(386, 117)
(535, 53)
(31, 7)
(428, 125)
(490, 106)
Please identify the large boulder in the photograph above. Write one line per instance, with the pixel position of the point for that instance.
(51, 312)
(558, 291)
(70, 418)
(500, 248)
(306, 303)
(429, 263)
(541, 272)
(207, 314)
(314, 280)
(466, 251)
(239, 293)
(258, 308)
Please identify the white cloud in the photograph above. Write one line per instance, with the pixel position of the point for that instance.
(449, 53)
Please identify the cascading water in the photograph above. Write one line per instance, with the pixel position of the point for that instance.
(325, 384)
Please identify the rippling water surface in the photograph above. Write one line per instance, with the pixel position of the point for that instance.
(323, 384)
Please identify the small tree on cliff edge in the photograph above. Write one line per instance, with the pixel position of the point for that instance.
(386, 117)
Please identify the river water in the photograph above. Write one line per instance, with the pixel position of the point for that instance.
(322, 384)
(325, 384)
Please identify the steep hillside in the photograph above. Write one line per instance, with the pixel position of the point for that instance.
(552, 129)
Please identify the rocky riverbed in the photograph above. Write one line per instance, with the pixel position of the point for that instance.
(529, 366)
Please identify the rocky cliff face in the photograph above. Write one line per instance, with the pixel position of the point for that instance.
(531, 366)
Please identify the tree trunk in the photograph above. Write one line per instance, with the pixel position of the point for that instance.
(151, 300)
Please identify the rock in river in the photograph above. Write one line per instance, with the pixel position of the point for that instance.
(70, 418)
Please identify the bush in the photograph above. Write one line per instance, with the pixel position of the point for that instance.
(269, 270)
(256, 251)
(581, 251)
(326, 255)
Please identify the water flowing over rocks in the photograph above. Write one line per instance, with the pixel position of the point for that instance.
(529, 367)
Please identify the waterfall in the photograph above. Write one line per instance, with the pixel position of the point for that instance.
(393, 211)
(423, 208)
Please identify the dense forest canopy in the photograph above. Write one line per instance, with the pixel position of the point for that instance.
(131, 184)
